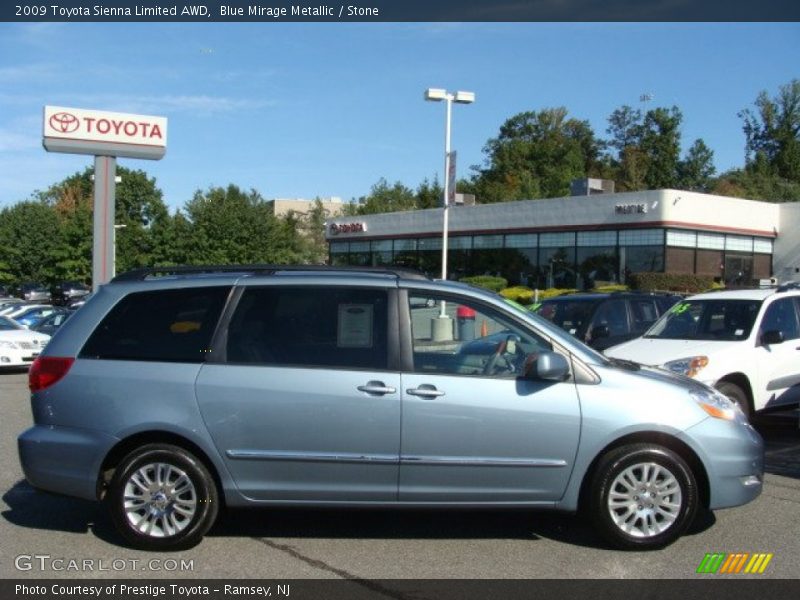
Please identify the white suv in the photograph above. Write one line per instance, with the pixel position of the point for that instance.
(744, 342)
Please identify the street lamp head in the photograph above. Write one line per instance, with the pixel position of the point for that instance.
(435, 94)
(464, 97)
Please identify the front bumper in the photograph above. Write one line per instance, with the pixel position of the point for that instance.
(733, 455)
(64, 460)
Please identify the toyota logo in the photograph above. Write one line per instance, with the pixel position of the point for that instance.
(64, 122)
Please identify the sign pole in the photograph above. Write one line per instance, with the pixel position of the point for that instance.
(105, 171)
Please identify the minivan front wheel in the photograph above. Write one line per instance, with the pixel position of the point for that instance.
(643, 496)
(161, 497)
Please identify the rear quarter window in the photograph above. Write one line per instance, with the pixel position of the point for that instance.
(163, 325)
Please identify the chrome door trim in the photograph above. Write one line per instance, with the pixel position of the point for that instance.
(383, 459)
(459, 461)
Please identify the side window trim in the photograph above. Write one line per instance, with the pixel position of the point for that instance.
(219, 342)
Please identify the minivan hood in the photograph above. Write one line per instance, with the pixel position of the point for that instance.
(659, 375)
(649, 351)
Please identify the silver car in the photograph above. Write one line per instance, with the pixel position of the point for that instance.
(174, 392)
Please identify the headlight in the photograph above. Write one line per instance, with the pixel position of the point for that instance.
(690, 366)
(10, 345)
(717, 405)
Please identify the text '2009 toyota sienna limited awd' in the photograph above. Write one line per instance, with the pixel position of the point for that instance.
(174, 392)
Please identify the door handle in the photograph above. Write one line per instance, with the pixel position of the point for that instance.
(425, 391)
(376, 387)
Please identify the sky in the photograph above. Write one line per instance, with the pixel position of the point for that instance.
(299, 110)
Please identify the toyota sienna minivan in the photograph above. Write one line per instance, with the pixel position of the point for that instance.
(176, 392)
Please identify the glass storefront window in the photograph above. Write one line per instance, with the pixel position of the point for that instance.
(597, 238)
(641, 237)
(639, 259)
(762, 246)
(711, 241)
(381, 246)
(405, 244)
(556, 240)
(738, 243)
(597, 265)
(488, 241)
(557, 268)
(431, 243)
(682, 239)
(522, 240)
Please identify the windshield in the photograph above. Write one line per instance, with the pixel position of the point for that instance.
(718, 320)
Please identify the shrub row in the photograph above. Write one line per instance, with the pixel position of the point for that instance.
(672, 282)
(490, 282)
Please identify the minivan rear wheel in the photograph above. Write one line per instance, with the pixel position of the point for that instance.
(161, 497)
(643, 496)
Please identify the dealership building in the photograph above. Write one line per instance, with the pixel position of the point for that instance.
(584, 240)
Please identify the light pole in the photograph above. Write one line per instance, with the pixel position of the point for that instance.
(442, 328)
(437, 95)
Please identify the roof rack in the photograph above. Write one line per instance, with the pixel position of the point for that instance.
(261, 269)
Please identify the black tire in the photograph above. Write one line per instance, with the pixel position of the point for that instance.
(737, 394)
(651, 521)
(172, 516)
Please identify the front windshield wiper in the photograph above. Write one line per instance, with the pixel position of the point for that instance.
(622, 363)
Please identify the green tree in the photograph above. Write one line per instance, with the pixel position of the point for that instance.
(537, 155)
(772, 132)
(138, 206)
(229, 226)
(625, 127)
(661, 143)
(312, 231)
(429, 194)
(697, 168)
(757, 182)
(29, 235)
(383, 198)
(172, 241)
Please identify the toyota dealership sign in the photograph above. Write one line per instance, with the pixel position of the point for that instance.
(82, 131)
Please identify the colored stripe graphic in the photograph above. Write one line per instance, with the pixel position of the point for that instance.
(758, 563)
(723, 563)
(711, 563)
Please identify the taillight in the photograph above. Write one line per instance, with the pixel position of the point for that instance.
(47, 370)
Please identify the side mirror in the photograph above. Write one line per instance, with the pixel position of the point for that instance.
(546, 365)
(773, 336)
(601, 331)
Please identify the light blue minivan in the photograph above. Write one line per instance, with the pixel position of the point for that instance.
(177, 391)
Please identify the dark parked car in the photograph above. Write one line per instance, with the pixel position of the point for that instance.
(605, 320)
(32, 291)
(66, 291)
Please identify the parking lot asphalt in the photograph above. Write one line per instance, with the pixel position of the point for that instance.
(383, 544)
